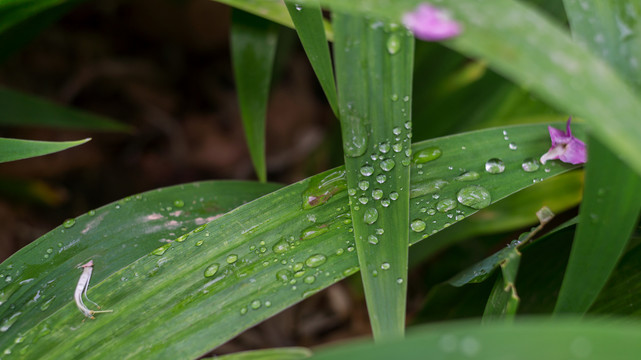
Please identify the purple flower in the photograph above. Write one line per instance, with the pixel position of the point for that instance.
(430, 23)
(565, 147)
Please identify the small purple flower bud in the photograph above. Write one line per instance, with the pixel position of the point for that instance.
(430, 23)
(565, 147)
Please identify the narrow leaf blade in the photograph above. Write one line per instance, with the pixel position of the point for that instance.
(17, 149)
(253, 47)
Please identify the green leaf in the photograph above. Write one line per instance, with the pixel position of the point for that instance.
(519, 43)
(374, 63)
(308, 22)
(253, 47)
(20, 109)
(533, 339)
(270, 254)
(610, 30)
(16, 149)
(612, 199)
(504, 301)
(289, 353)
(608, 214)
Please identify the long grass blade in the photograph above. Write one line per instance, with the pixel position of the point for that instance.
(17, 149)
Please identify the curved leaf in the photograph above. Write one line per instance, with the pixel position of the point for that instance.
(180, 299)
(16, 149)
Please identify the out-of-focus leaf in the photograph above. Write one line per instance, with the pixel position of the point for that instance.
(531, 339)
(16, 149)
(504, 301)
(308, 22)
(612, 199)
(289, 353)
(374, 77)
(19, 109)
(253, 46)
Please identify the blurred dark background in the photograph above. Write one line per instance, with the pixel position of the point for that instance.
(163, 67)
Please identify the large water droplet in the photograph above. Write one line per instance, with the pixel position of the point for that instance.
(370, 216)
(429, 187)
(232, 258)
(446, 205)
(468, 176)
(530, 165)
(427, 155)
(280, 247)
(211, 270)
(321, 189)
(367, 170)
(284, 275)
(388, 164)
(377, 194)
(417, 225)
(354, 135)
(315, 260)
(69, 223)
(372, 239)
(313, 231)
(476, 197)
(161, 250)
(363, 185)
(393, 44)
(384, 147)
(494, 166)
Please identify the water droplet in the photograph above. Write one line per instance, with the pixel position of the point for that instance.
(406, 98)
(92, 212)
(375, 273)
(351, 191)
(388, 164)
(280, 247)
(321, 189)
(468, 176)
(399, 281)
(363, 185)
(309, 279)
(182, 238)
(377, 194)
(393, 44)
(476, 197)
(363, 200)
(394, 97)
(393, 195)
(69, 223)
(398, 147)
(350, 271)
(427, 155)
(384, 147)
(494, 166)
(179, 203)
(417, 225)
(381, 178)
(431, 212)
(530, 165)
(446, 205)
(396, 130)
(370, 216)
(313, 231)
(470, 346)
(243, 310)
(385, 202)
(427, 188)
(211, 270)
(380, 231)
(256, 304)
(284, 275)
(367, 170)
(161, 250)
(232, 258)
(512, 146)
(385, 266)
(298, 7)
(372, 239)
(315, 260)
(459, 217)
(268, 303)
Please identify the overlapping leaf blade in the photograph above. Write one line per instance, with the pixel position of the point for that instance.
(253, 47)
(270, 255)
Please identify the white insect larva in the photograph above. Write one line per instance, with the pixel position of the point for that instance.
(81, 290)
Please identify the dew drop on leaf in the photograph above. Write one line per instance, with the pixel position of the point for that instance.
(495, 166)
(476, 197)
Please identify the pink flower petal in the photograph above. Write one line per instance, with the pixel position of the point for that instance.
(430, 23)
(565, 147)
